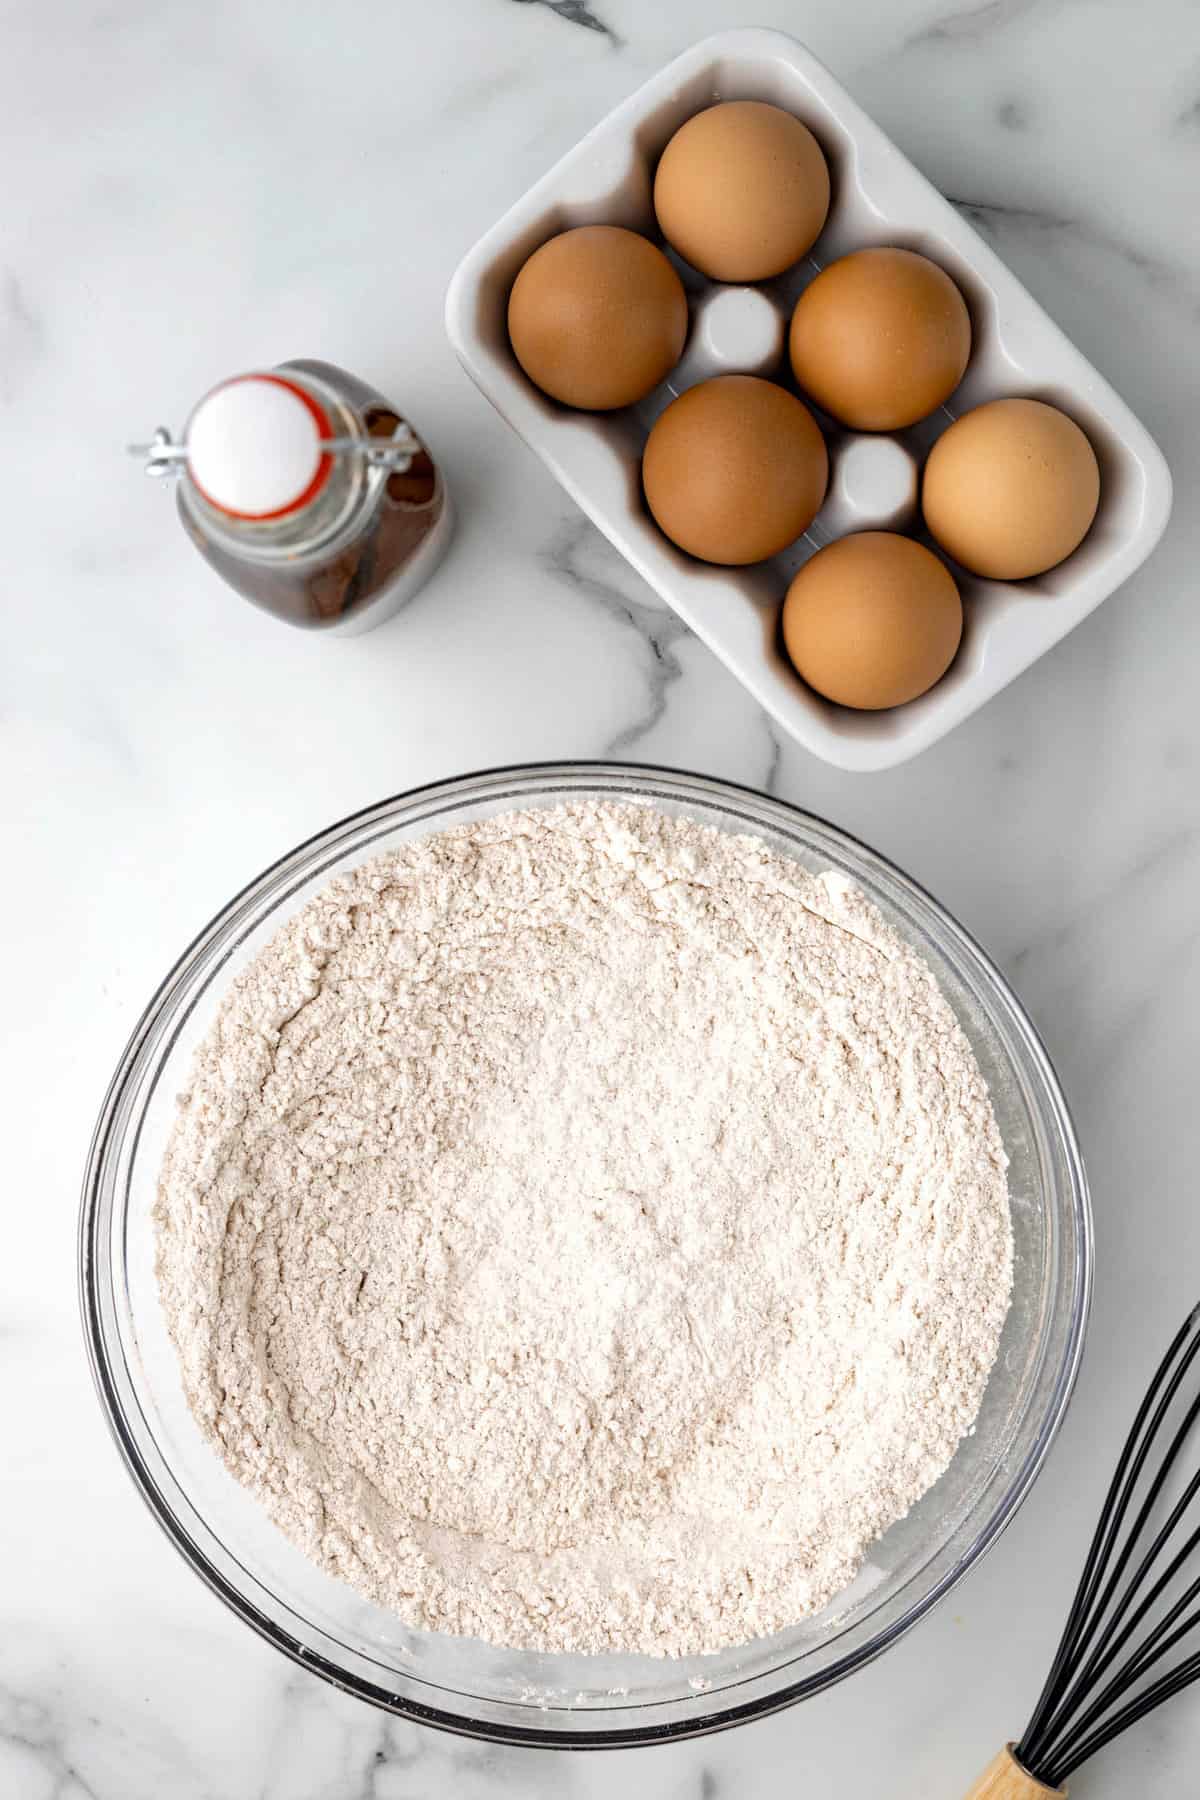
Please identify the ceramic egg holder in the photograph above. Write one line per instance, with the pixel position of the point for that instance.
(874, 479)
(878, 198)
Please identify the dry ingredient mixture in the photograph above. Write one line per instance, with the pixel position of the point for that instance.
(586, 1230)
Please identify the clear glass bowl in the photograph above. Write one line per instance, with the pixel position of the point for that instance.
(578, 1701)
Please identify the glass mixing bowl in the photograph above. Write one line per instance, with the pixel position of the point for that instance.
(578, 1701)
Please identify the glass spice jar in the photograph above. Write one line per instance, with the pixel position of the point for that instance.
(310, 495)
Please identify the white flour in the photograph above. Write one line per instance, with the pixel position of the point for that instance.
(586, 1231)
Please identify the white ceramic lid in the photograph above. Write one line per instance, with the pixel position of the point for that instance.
(254, 447)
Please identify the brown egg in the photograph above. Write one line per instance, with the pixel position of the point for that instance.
(1011, 488)
(597, 317)
(735, 469)
(880, 338)
(742, 190)
(872, 620)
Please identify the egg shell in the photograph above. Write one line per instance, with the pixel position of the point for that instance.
(880, 338)
(1011, 488)
(597, 317)
(872, 620)
(742, 190)
(735, 469)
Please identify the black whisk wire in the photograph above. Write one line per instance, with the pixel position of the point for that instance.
(1107, 1645)
(1073, 1717)
(1165, 1689)
(1130, 1672)
(1110, 1516)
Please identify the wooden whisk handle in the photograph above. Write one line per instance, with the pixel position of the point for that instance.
(1005, 1779)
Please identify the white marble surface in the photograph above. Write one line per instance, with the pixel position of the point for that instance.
(189, 190)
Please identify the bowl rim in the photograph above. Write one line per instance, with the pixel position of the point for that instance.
(90, 1262)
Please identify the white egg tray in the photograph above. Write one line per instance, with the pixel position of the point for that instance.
(878, 198)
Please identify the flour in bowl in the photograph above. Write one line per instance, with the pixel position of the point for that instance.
(586, 1230)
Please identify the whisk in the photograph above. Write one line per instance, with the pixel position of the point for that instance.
(1124, 1622)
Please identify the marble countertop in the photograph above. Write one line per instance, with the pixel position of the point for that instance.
(203, 189)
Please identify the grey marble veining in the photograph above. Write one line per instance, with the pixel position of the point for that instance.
(971, 24)
(575, 12)
(204, 190)
(585, 560)
(1166, 274)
